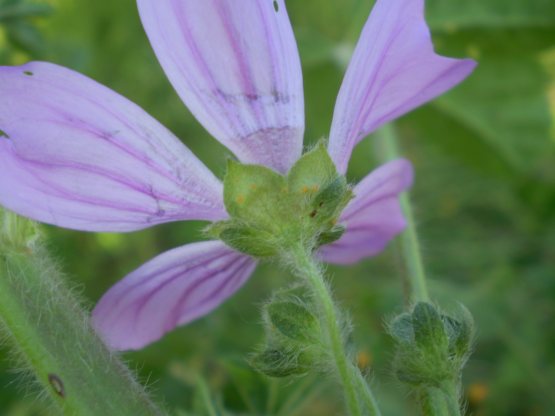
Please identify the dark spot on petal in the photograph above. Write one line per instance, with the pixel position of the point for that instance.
(57, 384)
(276, 6)
(4, 134)
(28, 73)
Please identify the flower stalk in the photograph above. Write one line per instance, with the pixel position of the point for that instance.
(410, 244)
(358, 396)
(51, 336)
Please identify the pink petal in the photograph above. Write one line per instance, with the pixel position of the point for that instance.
(170, 290)
(374, 216)
(393, 70)
(235, 64)
(78, 155)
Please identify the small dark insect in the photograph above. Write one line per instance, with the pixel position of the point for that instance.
(276, 6)
(57, 384)
(313, 214)
(29, 73)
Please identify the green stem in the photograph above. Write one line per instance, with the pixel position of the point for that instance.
(52, 337)
(206, 397)
(439, 402)
(410, 245)
(353, 383)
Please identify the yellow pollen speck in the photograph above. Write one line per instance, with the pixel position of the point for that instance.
(240, 199)
(364, 359)
(314, 188)
(477, 392)
(304, 189)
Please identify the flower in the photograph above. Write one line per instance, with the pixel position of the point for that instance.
(78, 155)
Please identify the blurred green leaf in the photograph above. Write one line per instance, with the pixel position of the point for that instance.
(22, 10)
(490, 14)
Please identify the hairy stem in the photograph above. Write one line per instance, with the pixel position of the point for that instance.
(439, 402)
(410, 245)
(355, 387)
(51, 336)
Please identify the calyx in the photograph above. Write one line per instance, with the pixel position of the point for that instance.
(269, 212)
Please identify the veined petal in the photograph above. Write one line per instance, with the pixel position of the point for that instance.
(393, 70)
(374, 216)
(235, 64)
(172, 289)
(76, 154)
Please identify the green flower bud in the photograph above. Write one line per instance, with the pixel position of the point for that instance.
(293, 335)
(293, 320)
(431, 347)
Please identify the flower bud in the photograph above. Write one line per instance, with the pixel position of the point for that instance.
(432, 347)
(293, 320)
(293, 335)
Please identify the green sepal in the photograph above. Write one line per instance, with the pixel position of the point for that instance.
(460, 332)
(330, 200)
(244, 238)
(275, 362)
(293, 320)
(328, 237)
(312, 171)
(252, 193)
(401, 329)
(429, 330)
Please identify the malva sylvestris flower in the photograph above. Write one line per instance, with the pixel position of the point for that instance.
(78, 155)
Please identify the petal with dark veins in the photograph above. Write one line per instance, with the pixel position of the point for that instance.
(235, 64)
(78, 155)
(172, 289)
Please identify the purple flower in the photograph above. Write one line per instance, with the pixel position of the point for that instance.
(78, 155)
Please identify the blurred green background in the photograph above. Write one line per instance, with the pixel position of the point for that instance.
(484, 197)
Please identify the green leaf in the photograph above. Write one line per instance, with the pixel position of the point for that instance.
(491, 14)
(23, 10)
